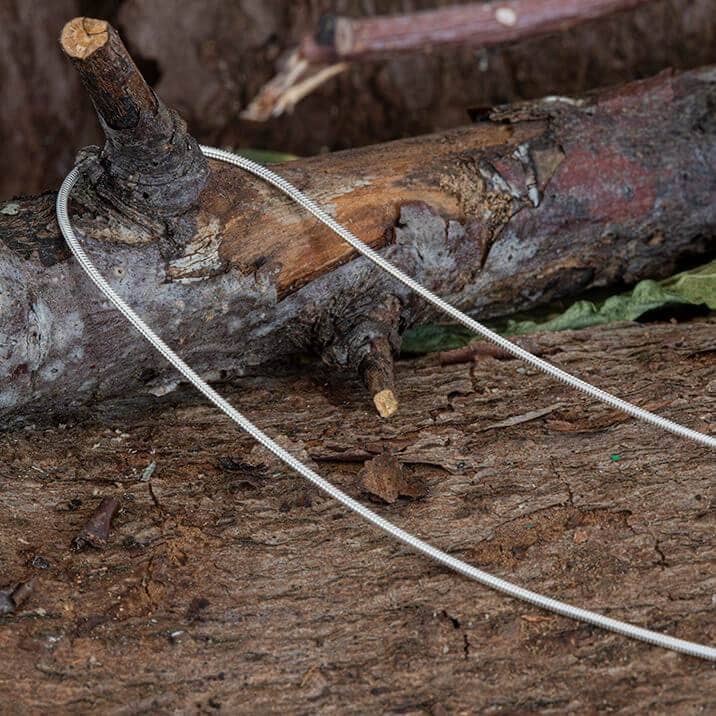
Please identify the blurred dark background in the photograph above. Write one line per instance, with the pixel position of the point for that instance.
(208, 60)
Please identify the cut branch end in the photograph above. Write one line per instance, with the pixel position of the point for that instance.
(385, 403)
(82, 36)
(379, 378)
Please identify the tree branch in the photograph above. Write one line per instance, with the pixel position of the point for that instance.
(377, 369)
(117, 89)
(149, 165)
(341, 40)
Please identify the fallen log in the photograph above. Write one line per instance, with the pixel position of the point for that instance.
(209, 74)
(538, 202)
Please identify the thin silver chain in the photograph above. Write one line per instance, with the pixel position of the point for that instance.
(635, 632)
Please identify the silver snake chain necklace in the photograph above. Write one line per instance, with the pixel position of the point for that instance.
(630, 630)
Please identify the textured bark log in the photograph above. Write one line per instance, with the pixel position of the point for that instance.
(478, 23)
(546, 200)
(227, 582)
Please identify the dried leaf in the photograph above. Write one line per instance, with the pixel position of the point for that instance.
(384, 477)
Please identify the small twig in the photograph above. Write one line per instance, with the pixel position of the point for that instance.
(482, 349)
(96, 531)
(346, 456)
(340, 40)
(296, 78)
(379, 377)
(293, 95)
(472, 352)
(523, 418)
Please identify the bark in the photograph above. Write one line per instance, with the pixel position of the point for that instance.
(228, 582)
(543, 201)
(482, 24)
(149, 166)
(208, 59)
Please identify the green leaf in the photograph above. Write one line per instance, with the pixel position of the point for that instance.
(698, 286)
(695, 288)
(432, 337)
(645, 297)
(266, 156)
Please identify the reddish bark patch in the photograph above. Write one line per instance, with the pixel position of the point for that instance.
(620, 189)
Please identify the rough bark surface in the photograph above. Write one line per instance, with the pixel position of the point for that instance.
(227, 583)
(209, 59)
(543, 201)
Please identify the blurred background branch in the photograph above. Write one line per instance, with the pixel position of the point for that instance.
(340, 40)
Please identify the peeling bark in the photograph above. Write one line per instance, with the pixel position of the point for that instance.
(543, 201)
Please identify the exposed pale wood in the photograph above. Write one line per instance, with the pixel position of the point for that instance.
(365, 189)
(83, 36)
(377, 369)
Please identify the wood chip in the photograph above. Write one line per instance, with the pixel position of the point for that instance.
(385, 478)
(580, 536)
(536, 618)
(523, 418)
